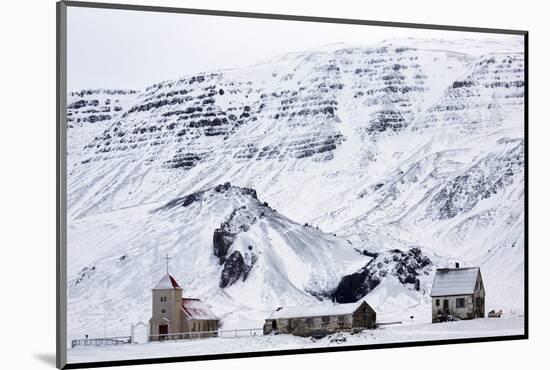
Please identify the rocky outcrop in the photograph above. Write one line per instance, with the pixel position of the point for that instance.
(234, 269)
(481, 181)
(235, 266)
(92, 106)
(406, 266)
(222, 241)
(85, 273)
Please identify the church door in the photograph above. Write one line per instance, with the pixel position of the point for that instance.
(163, 330)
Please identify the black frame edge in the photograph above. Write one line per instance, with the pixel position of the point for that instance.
(526, 185)
(61, 199)
(287, 352)
(288, 17)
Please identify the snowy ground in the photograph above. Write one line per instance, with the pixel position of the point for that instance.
(388, 334)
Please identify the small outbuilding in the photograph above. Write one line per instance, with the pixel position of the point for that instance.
(320, 320)
(457, 293)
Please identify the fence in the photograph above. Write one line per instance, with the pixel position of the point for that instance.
(234, 333)
(101, 341)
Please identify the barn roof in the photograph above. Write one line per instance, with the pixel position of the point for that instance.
(456, 281)
(195, 309)
(167, 282)
(315, 311)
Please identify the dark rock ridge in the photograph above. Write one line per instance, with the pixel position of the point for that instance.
(222, 241)
(477, 102)
(235, 268)
(92, 106)
(189, 199)
(405, 266)
(236, 264)
(85, 273)
(304, 105)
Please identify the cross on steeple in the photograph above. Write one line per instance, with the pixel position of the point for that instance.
(167, 261)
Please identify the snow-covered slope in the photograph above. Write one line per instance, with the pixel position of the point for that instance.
(364, 152)
(226, 245)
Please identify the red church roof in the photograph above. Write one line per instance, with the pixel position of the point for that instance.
(167, 282)
(195, 309)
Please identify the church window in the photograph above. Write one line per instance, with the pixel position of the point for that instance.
(163, 310)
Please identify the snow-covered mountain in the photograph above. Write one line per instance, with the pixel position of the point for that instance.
(321, 175)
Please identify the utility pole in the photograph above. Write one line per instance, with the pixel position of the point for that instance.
(105, 317)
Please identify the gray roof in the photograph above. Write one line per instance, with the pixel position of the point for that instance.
(329, 309)
(454, 281)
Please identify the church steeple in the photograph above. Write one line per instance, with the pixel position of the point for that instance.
(167, 282)
(166, 305)
(167, 260)
(173, 315)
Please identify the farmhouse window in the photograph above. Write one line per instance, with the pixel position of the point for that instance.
(460, 303)
(325, 319)
(437, 302)
(341, 320)
(309, 322)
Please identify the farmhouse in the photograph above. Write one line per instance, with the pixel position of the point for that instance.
(174, 314)
(321, 319)
(457, 293)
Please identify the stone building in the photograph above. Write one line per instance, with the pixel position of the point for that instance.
(177, 317)
(321, 320)
(457, 293)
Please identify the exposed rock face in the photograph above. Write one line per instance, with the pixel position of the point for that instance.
(184, 201)
(240, 220)
(92, 106)
(222, 242)
(85, 273)
(409, 265)
(405, 266)
(90, 113)
(234, 269)
(355, 286)
(482, 180)
(476, 103)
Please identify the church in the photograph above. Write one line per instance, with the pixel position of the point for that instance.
(177, 317)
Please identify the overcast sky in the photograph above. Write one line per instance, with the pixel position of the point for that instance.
(134, 49)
